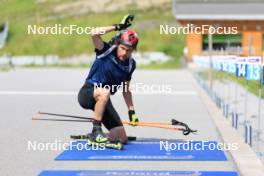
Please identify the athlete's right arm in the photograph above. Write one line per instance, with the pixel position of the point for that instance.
(97, 32)
(96, 35)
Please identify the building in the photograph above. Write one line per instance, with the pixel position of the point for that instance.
(246, 15)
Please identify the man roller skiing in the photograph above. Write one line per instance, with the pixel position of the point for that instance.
(112, 67)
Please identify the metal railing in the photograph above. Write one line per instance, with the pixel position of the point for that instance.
(237, 89)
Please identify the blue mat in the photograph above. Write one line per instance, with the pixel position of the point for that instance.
(146, 151)
(141, 173)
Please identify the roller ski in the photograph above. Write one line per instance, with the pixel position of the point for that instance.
(85, 137)
(107, 144)
(103, 143)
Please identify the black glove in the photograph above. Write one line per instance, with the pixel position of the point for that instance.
(125, 23)
(133, 117)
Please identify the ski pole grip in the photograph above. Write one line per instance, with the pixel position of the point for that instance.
(176, 122)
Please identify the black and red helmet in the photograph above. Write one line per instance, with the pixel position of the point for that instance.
(128, 37)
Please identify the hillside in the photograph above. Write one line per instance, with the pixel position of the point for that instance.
(149, 16)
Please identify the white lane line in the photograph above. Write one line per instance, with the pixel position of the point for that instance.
(75, 93)
(38, 93)
(166, 93)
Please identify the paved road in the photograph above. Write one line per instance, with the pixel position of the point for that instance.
(24, 92)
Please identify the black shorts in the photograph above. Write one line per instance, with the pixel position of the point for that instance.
(110, 119)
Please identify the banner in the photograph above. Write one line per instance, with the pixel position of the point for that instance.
(253, 68)
(232, 64)
(202, 61)
(247, 67)
(241, 63)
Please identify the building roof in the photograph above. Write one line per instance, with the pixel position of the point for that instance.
(218, 9)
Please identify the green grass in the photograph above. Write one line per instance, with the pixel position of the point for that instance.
(20, 14)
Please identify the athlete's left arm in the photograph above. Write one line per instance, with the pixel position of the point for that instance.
(127, 94)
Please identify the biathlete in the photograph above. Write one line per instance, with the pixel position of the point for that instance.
(112, 67)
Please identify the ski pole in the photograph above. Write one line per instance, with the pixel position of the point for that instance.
(165, 125)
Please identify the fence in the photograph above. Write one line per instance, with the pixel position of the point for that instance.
(236, 86)
(142, 58)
